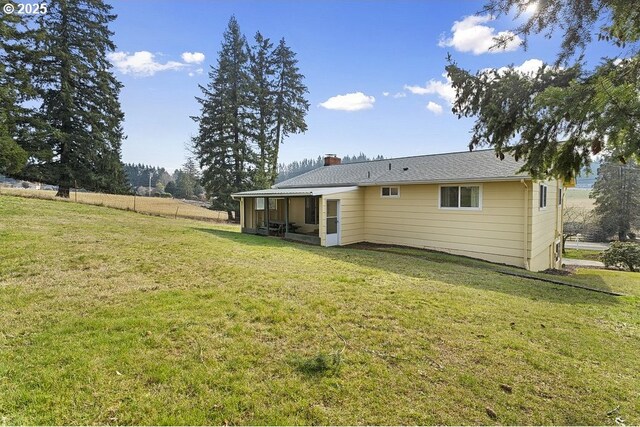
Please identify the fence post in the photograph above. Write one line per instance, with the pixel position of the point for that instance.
(134, 202)
(176, 216)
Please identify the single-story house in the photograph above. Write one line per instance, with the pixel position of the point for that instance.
(467, 203)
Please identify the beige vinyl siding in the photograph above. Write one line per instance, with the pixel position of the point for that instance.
(494, 233)
(351, 216)
(544, 227)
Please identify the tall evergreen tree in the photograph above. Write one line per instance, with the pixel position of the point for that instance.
(80, 107)
(617, 197)
(222, 143)
(263, 124)
(15, 88)
(291, 106)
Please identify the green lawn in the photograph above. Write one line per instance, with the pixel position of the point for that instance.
(582, 254)
(112, 317)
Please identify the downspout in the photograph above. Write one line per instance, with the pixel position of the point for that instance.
(525, 233)
(559, 223)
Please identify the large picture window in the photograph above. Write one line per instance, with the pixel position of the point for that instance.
(311, 210)
(460, 197)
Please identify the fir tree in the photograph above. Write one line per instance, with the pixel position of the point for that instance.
(262, 72)
(15, 88)
(290, 106)
(222, 143)
(80, 107)
(617, 197)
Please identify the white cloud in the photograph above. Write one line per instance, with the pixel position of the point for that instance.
(469, 35)
(349, 102)
(196, 72)
(529, 67)
(435, 108)
(395, 95)
(140, 63)
(193, 57)
(441, 88)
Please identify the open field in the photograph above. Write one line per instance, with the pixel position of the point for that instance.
(150, 205)
(578, 197)
(110, 317)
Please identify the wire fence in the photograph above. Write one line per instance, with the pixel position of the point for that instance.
(165, 207)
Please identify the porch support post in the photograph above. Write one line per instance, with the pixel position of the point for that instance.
(286, 215)
(266, 210)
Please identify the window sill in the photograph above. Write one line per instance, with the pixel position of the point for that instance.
(461, 209)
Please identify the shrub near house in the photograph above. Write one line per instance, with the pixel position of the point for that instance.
(622, 254)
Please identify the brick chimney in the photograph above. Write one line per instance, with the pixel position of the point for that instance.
(331, 159)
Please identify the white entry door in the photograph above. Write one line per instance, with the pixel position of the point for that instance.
(333, 223)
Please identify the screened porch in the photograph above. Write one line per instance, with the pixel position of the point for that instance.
(295, 218)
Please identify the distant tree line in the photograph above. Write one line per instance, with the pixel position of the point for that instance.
(290, 170)
(60, 116)
(255, 98)
(184, 183)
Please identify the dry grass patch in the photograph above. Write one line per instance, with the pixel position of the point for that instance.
(151, 205)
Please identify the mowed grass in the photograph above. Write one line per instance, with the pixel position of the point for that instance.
(111, 317)
(583, 254)
(578, 197)
(150, 205)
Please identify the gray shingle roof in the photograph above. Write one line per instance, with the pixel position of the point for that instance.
(481, 165)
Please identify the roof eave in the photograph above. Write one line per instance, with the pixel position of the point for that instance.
(448, 181)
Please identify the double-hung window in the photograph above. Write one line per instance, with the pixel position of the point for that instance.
(390, 192)
(460, 197)
(543, 196)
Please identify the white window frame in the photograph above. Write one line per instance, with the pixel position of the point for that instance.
(546, 196)
(479, 208)
(560, 196)
(390, 196)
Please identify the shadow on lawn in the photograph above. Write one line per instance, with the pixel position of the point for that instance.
(442, 267)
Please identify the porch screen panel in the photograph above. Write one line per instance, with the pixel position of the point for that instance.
(311, 210)
(260, 214)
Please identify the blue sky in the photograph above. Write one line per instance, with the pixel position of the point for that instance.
(376, 68)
